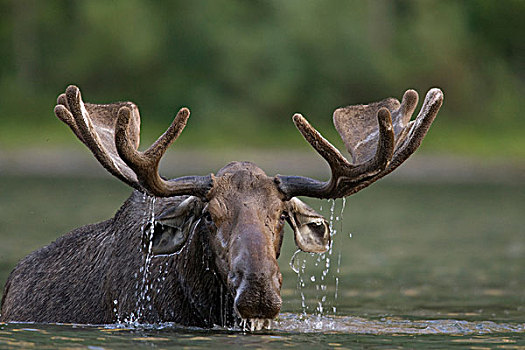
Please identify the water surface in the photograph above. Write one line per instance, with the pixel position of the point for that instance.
(426, 265)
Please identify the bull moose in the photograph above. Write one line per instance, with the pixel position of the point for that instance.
(198, 250)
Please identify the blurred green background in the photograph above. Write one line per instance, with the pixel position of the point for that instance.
(244, 67)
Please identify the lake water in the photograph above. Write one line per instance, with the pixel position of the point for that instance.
(412, 265)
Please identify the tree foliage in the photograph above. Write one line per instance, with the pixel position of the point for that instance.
(244, 67)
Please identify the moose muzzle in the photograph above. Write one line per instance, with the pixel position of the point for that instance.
(255, 275)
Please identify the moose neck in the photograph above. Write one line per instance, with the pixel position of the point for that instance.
(184, 287)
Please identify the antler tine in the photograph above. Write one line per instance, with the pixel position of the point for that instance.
(412, 135)
(71, 110)
(338, 162)
(112, 134)
(334, 158)
(343, 172)
(65, 116)
(418, 128)
(393, 146)
(146, 164)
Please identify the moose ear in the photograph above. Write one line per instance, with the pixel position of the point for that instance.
(173, 226)
(311, 230)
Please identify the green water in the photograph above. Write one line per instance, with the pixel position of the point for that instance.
(427, 265)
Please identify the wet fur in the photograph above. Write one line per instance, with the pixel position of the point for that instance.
(77, 278)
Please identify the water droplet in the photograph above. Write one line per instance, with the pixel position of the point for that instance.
(292, 261)
(312, 278)
(147, 231)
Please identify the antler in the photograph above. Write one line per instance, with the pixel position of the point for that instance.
(378, 136)
(112, 133)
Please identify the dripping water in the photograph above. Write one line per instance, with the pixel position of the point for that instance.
(298, 266)
(327, 280)
(325, 257)
(115, 310)
(338, 268)
(144, 287)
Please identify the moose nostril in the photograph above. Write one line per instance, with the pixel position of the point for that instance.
(252, 304)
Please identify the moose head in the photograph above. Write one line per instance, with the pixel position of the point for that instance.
(240, 210)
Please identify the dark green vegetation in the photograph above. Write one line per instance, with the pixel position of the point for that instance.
(417, 252)
(245, 67)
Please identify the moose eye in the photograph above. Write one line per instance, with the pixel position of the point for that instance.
(207, 218)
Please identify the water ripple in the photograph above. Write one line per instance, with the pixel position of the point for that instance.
(288, 322)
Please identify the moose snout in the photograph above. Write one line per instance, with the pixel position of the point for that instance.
(258, 295)
(256, 281)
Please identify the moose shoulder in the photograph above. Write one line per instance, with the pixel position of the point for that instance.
(198, 250)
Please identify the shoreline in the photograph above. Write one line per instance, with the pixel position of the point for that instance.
(419, 168)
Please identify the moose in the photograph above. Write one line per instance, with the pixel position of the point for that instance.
(199, 250)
